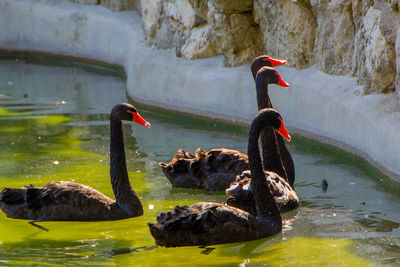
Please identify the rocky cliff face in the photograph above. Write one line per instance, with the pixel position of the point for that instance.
(341, 37)
(198, 29)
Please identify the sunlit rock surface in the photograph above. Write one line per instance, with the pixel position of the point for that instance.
(342, 37)
(397, 47)
(288, 30)
(375, 61)
(200, 29)
(334, 39)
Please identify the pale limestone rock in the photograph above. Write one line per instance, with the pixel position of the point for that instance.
(233, 6)
(167, 24)
(150, 13)
(289, 30)
(397, 47)
(159, 31)
(201, 8)
(237, 35)
(198, 29)
(199, 44)
(375, 56)
(334, 41)
(182, 11)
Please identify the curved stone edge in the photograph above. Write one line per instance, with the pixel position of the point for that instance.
(327, 108)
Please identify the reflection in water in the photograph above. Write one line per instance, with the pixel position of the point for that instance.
(54, 126)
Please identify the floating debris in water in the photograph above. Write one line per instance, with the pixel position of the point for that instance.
(25, 95)
(10, 83)
(324, 185)
(151, 206)
(56, 162)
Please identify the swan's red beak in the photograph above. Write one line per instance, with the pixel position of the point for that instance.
(138, 119)
(281, 82)
(276, 62)
(283, 132)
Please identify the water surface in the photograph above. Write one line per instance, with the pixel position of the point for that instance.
(54, 126)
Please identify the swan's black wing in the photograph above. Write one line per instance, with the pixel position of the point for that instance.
(206, 223)
(56, 201)
(241, 196)
(219, 167)
(212, 170)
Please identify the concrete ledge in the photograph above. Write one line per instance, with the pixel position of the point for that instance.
(327, 108)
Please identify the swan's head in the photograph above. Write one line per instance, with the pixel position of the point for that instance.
(265, 61)
(281, 129)
(270, 75)
(276, 121)
(127, 112)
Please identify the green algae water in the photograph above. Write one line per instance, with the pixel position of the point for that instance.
(54, 126)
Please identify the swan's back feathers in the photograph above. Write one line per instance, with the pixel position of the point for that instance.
(226, 160)
(241, 196)
(212, 170)
(205, 223)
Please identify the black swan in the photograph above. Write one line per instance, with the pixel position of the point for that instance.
(217, 168)
(240, 192)
(264, 101)
(68, 201)
(207, 223)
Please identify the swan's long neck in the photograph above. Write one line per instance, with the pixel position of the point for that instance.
(265, 202)
(269, 139)
(126, 198)
(263, 100)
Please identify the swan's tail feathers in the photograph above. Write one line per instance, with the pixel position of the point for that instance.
(12, 196)
(13, 203)
(178, 173)
(174, 228)
(157, 232)
(167, 169)
(163, 165)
